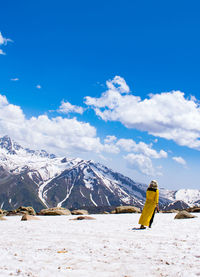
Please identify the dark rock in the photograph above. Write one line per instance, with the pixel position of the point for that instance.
(55, 211)
(127, 209)
(84, 218)
(2, 217)
(26, 217)
(22, 210)
(183, 215)
(194, 210)
(28, 210)
(176, 205)
(79, 212)
(169, 211)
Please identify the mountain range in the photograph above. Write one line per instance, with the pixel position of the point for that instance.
(39, 179)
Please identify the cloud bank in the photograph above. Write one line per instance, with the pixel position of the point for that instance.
(68, 136)
(140, 154)
(168, 115)
(57, 134)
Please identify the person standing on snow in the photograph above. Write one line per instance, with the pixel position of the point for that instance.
(151, 205)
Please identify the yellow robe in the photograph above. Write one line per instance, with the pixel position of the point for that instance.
(152, 197)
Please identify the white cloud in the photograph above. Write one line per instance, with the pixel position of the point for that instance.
(118, 83)
(141, 159)
(38, 87)
(169, 115)
(14, 79)
(110, 145)
(3, 41)
(110, 139)
(127, 145)
(113, 145)
(130, 145)
(58, 135)
(1, 52)
(66, 108)
(179, 160)
(111, 148)
(102, 157)
(111, 97)
(3, 101)
(65, 136)
(140, 163)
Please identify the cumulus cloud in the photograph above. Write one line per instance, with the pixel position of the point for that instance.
(111, 98)
(58, 135)
(64, 136)
(111, 148)
(140, 163)
(130, 145)
(141, 155)
(3, 101)
(66, 108)
(169, 115)
(110, 139)
(118, 83)
(179, 160)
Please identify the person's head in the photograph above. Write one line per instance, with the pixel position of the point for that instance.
(153, 184)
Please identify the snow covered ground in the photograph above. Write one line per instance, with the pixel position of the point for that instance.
(105, 247)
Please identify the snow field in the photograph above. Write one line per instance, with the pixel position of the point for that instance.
(106, 247)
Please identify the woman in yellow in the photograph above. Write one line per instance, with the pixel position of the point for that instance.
(151, 205)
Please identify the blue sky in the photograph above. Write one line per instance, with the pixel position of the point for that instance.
(113, 81)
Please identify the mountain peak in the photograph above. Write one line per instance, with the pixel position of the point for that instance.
(13, 148)
(8, 144)
(5, 140)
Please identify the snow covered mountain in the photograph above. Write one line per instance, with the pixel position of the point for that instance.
(38, 179)
(35, 178)
(191, 197)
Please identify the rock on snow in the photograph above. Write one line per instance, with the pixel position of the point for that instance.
(106, 247)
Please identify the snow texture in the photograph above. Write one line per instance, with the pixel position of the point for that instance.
(189, 196)
(106, 247)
